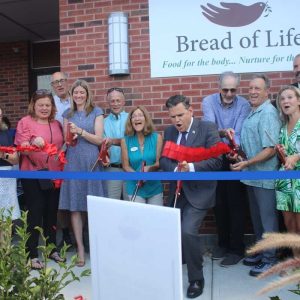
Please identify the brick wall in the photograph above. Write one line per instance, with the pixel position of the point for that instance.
(14, 64)
(84, 54)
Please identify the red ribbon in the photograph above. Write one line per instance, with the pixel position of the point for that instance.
(193, 154)
(50, 149)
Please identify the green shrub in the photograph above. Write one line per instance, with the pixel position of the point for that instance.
(16, 279)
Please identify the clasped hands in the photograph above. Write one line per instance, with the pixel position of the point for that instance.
(183, 167)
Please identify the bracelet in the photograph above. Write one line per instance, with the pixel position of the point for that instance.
(81, 132)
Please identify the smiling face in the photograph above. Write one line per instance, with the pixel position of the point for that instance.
(181, 116)
(138, 120)
(228, 89)
(289, 102)
(258, 92)
(59, 84)
(42, 108)
(79, 97)
(116, 102)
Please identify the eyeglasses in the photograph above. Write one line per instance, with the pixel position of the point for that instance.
(42, 92)
(225, 91)
(115, 89)
(58, 82)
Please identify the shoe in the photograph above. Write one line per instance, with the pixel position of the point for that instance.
(195, 288)
(252, 260)
(56, 257)
(260, 268)
(36, 264)
(218, 253)
(231, 259)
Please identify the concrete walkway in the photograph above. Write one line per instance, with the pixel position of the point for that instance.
(231, 283)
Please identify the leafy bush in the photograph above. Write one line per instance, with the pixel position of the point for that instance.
(17, 281)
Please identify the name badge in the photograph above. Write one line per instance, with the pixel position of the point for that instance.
(133, 149)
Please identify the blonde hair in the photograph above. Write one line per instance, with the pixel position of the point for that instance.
(282, 115)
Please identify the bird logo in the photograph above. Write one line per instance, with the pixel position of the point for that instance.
(235, 14)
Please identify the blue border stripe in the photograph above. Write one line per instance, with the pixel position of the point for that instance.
(154, 175)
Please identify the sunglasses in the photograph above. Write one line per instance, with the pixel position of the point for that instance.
(225, 91)
(58, 82)
(42, 92)
(115, 89)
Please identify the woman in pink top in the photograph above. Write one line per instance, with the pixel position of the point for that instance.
(37, 128)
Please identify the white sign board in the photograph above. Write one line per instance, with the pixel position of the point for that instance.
(135, 250)
(195, 37)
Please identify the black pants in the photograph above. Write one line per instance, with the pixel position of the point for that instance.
(230, 213)
(42, 211)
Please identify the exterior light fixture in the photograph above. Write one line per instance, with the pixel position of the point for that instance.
(118, 43)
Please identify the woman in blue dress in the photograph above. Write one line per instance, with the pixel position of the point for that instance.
(86, 123)
(142, 144)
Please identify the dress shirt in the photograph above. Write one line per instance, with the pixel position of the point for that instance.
(226, 116)
(61, 106)
(191, 165)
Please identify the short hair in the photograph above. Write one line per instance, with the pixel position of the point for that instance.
(117, 89)
(39, 94)
(176, 99)
(283, 116)
(89, 105)
(229, 74)
(64, 74)
(264, 77)
(148, 128)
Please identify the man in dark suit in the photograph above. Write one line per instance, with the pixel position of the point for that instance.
(196, 196)
(296, 70)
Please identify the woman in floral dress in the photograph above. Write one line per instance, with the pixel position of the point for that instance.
(288, 190)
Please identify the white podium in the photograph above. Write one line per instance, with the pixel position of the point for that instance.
(135, 250)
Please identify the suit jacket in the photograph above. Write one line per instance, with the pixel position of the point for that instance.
(200, 194)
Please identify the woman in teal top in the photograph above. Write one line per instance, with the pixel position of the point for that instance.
(142, 144)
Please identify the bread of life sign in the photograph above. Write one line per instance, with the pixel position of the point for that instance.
(209, 37)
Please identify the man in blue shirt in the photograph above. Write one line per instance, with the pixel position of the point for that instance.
(228, 111)
(260, 132)
(114, 128)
